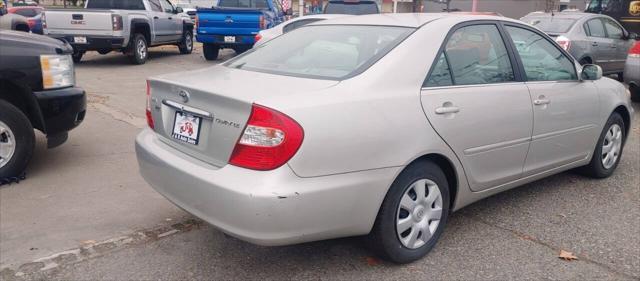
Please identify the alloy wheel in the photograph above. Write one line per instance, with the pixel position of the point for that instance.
(142, 49)
(419, 213)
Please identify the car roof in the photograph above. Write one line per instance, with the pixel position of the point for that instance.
(406, 19)
(561, 15)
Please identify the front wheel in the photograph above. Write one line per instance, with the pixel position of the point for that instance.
(211, 51)
(17, 141)
(77, 56)
(413, 214)
(138, 49)
(186, 45)
(608, 151)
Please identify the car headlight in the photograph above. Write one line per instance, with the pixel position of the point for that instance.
(57, 71)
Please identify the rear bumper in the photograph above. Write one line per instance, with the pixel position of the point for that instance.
(266, 208)
(62, 109)
(240, 40)
(94, 42)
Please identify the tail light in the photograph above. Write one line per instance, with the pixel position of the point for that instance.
(148, 113)
(634, 52)
(117, 22)
(564, 42)
(269, 140)
(263, 23)
(257, 38)
(196, 21)
(44, 20)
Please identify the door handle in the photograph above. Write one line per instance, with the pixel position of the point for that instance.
(541, 101)
(614, 46)
(447, 110)
(156, 17)
(595, 44)
(170, 18)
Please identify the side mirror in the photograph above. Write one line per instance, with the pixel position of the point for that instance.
(178, 10)
(591, 72)
(633, 36)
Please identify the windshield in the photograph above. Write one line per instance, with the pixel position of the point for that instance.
(116, 4)
(351, 8)
(253, 4)
(551, 24)
(331, 52)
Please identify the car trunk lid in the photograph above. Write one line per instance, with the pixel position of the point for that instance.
(220, 100)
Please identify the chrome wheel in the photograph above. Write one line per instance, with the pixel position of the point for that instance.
(142, 49)
(419, 213)
(7, 144)
(611, 146)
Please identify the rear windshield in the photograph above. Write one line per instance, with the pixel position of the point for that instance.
(252, 4)
(551, 24)
(29, 12)
(116, 4)
(351, 8)
(332, 52)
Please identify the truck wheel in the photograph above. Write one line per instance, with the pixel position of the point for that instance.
(17, 140)
(211, 51)
(138, 49)
(186, 45)
(77, 56)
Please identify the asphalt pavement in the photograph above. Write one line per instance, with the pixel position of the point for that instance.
(84, 213)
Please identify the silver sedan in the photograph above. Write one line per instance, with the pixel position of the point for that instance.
(377, 125)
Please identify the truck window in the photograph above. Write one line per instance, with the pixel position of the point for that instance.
(351, 7)
(166, 6)
(155, 5)
(252, 4)
(116, 4)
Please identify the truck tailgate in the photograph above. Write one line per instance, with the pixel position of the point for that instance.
(229, 21)
(79, 21)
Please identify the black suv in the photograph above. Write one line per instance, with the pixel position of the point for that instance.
(37, 90)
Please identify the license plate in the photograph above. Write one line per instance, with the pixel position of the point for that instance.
(229, 39)
(186, 128)
(80, 39)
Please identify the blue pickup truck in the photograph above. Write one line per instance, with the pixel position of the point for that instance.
(235, 23)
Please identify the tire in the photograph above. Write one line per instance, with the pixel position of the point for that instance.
(186, 45)
(635, 92)
(211, 51)
(241, 49)
(384, 240)
(16, 129)
(138, 49)
(620, 76)
(598, 168)
(77, 56)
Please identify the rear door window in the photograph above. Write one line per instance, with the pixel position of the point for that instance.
(477, 55)
(595, 28)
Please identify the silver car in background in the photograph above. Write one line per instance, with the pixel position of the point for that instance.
(590, 38)
(377, 125)
(632, 72)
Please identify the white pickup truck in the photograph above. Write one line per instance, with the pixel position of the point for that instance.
(128, 26)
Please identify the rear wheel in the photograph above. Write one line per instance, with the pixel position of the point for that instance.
(608, 152)
(17, 140)
(139, 50)
(413, 214)
(635, 92)
(211, 51)
(186, 45)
